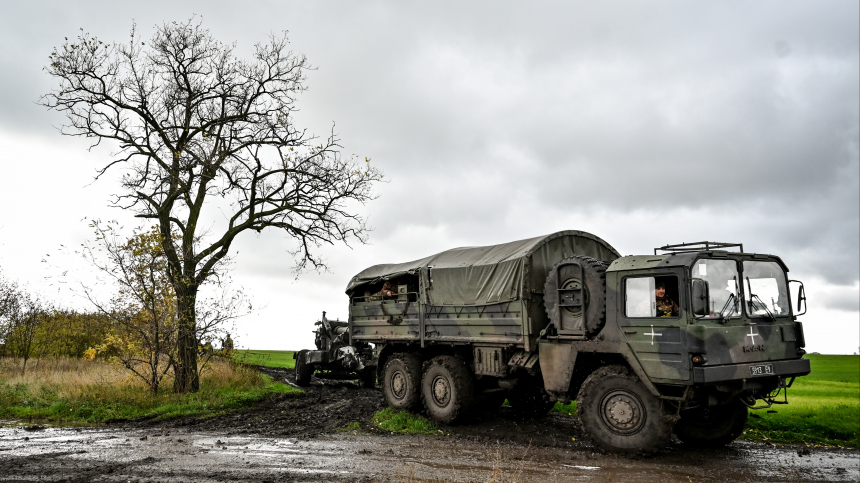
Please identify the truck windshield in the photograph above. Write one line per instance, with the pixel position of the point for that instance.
(722, 279)
(768, 291)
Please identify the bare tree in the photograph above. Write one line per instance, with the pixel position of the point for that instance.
(191, 122)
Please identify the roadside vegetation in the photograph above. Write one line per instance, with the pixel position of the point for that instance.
(75, 391)
(400, 421)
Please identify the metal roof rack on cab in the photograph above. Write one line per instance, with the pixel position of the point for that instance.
(698, 247)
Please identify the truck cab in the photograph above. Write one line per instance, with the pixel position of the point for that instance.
(733, 331)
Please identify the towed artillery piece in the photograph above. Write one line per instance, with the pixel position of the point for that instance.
(686, 340)
(335, 358)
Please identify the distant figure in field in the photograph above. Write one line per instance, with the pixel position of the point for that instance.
(227, 345)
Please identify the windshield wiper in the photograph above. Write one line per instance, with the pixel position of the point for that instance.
(761, 303)
(764, 306)
(734, 303)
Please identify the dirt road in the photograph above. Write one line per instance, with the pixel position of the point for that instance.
(297, 439)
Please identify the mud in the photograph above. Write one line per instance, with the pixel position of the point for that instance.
(302, 439)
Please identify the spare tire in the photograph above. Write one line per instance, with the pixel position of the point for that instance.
(581, 275)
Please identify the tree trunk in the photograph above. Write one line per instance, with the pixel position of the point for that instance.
(186, 378)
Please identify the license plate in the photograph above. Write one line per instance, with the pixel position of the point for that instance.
(761, 370)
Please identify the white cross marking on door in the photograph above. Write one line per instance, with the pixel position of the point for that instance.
(752, 335)
(652, 334)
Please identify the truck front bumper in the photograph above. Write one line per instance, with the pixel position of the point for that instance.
(735, 372)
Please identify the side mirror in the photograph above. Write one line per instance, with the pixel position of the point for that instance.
(801, 297)
(701, 298)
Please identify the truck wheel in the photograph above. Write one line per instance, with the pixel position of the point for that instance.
(401, 381)
(304, 371)
(712, 426)
(530, 402)
(619, 413)
(447, 389)
(593, 285)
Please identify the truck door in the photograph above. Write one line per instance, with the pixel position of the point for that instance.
(651, 319)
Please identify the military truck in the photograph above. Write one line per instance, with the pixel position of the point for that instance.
(686, 340)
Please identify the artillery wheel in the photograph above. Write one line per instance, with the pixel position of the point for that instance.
(593, 287)
(304, 371)
(712, 426)
(530, 402)
(447, 389)
(619, 413)
(401, 381)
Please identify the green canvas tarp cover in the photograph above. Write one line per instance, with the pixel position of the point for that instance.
(492, 274)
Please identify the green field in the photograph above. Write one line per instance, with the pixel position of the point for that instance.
(824, 407)
(265, 358)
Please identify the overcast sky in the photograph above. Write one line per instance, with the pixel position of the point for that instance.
(645, 123)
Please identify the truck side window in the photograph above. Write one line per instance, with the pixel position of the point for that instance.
(651, 297)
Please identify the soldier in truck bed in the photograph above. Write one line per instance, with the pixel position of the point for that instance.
(387, 290)
(666, 307)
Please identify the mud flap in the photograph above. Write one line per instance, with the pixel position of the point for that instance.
(556, 364)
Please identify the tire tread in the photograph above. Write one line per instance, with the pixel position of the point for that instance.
(463, 403)
(411, 364)
(651, 444)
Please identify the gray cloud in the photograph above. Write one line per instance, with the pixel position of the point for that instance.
(644, 122)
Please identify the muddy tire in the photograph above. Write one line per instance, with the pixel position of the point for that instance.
(304, 371)
(712, 426)
(620, 415)
(592, 281)
(530, 402)
(447, 389)
(401, 381)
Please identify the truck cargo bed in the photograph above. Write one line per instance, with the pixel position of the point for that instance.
(384, 321)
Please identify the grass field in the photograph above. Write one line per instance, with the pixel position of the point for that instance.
(265, 358)
(72, 391)
(823, 409)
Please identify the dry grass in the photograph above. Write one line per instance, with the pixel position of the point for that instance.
(502, 472)
(502, 468)
(68, 377)
(75, 377)
(73, 390)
